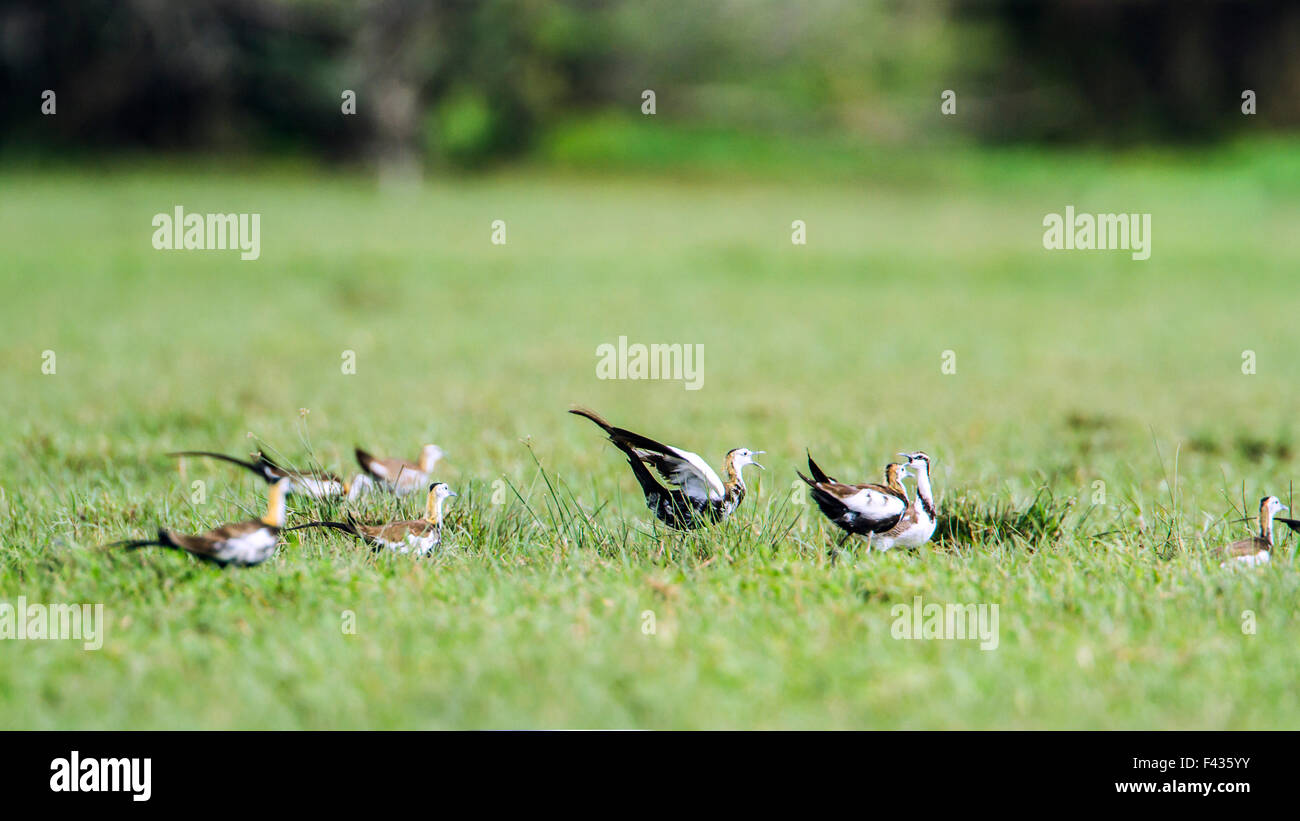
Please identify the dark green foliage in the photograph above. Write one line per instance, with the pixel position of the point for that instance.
(966, 520)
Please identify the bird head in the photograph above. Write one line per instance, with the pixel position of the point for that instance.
(917, 461)
(440, 490)
(744, 456)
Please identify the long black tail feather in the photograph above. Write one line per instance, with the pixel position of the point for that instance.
(162, 540)
(817, 473)
(343, 526)
(258, 467)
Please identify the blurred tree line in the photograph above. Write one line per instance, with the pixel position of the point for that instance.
(465, 81)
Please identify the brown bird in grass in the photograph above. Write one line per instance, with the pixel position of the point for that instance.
(398, 475)
(418, 536)
(1257, 550)
(242, 544)
(698, 495)
(320, 484)
(867, 511)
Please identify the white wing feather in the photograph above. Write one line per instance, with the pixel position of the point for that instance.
(875, 505)
(692, 474)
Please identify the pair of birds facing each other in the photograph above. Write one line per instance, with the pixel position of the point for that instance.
(249, 543)
(396, 475)
(696, 495)
(881, 515)
(1258, 550)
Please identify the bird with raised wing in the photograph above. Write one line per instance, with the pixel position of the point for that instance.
(697, 496)
(1256, 550)
(320, 484)
(866, 511)
(417, 536)
(243, 544)
(398, 475)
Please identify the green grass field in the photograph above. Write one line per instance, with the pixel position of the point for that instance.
(1073, 368)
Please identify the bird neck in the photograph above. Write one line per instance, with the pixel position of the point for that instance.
(433, 508)
(894, 483)
(427, 461)
(923, 496)
(1266, 525)
(274, 506)
(735, 484)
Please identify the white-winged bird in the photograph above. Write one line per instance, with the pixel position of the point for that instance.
(698, 496)
(398, 475)
(418, 535)
(866, 511)
(1257, 549)
(320, 484)
(243, 543)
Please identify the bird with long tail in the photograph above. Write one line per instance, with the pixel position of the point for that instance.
(880, 515)
(320, 484)
(418, 536)
(697, 496)
(242, 544)
(1258, 550)
(866, 511)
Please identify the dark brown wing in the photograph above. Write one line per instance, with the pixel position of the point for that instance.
(1247, 547)
(394, 531)
(398, 531)
(207, 544)
(854, 510)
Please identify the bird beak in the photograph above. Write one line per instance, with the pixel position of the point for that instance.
(756, 464)
(452, 493)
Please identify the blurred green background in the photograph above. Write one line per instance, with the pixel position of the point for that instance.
(460, 84)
